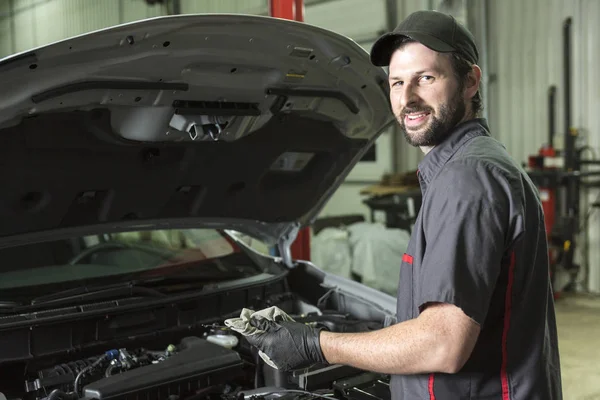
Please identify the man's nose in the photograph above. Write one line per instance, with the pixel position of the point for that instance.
(408, 96)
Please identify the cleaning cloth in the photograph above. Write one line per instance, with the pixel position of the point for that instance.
(242, 324)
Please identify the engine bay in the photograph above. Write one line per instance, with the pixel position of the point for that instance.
(209, 361)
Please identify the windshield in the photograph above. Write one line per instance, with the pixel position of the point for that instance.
(205, 254)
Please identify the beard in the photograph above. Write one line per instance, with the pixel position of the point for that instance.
(450, 114)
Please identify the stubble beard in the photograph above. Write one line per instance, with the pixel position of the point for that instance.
(450, 114)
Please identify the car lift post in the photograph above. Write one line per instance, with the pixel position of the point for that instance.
(287, 9)
(293, 10)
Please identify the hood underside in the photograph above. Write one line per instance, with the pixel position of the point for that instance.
(240, 122)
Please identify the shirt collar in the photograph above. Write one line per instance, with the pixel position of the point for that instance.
(433, 162)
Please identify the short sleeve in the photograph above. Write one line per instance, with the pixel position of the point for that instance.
(464, 227)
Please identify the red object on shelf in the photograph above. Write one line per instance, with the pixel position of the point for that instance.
(293, 10)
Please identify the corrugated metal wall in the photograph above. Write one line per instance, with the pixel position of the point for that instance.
(224, 6)
(526, 57)
(587, 117)
(39, 22)
(357, 19)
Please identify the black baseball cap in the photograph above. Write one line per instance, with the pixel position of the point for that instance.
(436, 30)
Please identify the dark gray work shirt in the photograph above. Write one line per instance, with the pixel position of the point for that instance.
(479, 243)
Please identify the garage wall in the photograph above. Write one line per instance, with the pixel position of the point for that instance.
(5, 29)
(527, 58)
(587, 117)
(224, 6)
(39, 22)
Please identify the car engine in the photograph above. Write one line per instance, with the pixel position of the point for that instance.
(209, 363)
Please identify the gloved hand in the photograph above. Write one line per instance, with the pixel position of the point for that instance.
(290, 345)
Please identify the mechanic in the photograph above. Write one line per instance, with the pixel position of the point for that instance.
(475, 306)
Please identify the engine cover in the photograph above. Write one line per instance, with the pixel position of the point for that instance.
(197, 365)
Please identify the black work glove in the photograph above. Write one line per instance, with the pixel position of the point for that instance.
(290, 345)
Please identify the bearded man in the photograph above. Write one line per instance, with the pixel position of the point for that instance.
(475, 306)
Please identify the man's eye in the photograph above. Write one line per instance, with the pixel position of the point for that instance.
(398, 83)
(426, 78)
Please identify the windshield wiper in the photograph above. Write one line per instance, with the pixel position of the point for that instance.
(93, 293)
(143, 287)
(75, 296)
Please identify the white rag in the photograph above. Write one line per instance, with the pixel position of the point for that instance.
(242, 324)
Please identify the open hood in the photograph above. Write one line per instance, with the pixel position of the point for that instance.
(229, 121)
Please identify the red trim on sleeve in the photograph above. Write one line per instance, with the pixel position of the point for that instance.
(507, 310)
(407, 258)
(431, 382)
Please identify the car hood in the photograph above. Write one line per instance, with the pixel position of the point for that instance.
(229, 121)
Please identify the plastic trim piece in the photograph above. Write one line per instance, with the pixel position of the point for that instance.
(304, 92)
(220, 108)
(119, 85)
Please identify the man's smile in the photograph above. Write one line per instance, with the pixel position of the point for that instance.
(415, 119)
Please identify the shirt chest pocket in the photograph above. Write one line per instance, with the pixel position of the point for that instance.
(404, 307)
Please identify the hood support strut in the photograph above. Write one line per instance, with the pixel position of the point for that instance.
(284, 245)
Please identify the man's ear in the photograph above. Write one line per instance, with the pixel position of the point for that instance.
(473, 81)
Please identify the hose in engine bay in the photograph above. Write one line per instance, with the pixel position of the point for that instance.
(109, 355)
(58, 394)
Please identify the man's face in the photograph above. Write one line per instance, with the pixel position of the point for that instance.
(425, 94)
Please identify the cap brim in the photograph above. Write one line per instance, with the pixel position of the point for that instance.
(383, 48)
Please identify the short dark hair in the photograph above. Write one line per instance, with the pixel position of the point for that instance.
(461, 68)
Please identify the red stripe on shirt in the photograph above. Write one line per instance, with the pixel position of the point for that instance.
(407, 258)
(431, 381)
(507, 310)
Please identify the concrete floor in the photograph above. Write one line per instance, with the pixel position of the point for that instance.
(578, 319)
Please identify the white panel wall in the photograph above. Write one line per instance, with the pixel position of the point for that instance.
(224, 6)
(526, 57)
(5, 29)
(587, 116)
(39, 22)
(358, 19)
